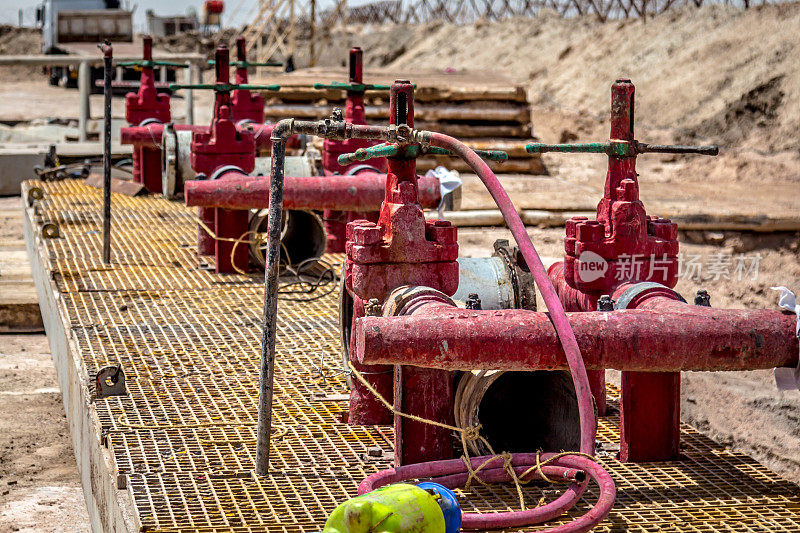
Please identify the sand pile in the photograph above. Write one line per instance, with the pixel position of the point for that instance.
(20, 41)
(715, 73)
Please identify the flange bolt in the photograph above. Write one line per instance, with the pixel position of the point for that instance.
(605, 303)
(702, 298)
(473, 302)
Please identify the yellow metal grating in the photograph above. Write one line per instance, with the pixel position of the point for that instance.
(182, 440)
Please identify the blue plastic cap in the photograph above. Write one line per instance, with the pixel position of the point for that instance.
(449, 504)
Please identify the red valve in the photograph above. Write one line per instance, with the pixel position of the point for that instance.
(247, 106)
(143, 107)
(336, 221)
(223, 151)
(402, 248)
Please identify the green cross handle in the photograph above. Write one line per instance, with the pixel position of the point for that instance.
(413, 150)
(224, 87)
(620, 148)
(149, 63)
(352, 87)
(246, 64)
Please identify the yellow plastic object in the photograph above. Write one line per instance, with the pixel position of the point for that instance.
(399, 508)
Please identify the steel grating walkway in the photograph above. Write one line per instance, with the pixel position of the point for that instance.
(181, 442)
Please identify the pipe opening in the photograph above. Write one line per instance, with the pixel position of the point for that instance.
(302, 237)
(519, 411)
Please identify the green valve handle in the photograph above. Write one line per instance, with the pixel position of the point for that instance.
(352, 87)
(149, 63)
(224, 87)
(489, 155)
(620, 148)
(246, 64)
(390, 150)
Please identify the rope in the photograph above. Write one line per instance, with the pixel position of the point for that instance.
(472, 434)
(326, 277)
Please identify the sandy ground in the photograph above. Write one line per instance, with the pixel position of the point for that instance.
(39, 485)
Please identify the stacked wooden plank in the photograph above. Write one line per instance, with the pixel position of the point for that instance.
(480, 108)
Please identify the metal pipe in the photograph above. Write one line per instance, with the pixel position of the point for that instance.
(151, 134)
(269, 330)
(660, 335)
(338, 129)
(362, 192)
(84, 89)
(190, 94)
(534, 262)
(75, 60)
(108, 68)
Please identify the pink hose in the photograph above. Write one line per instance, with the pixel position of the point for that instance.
(579, 378)
(434, 470)
(557, 314)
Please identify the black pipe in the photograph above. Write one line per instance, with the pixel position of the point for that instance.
(108, 58)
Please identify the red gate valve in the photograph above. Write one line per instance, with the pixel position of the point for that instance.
(402, 248)
(147, 104)
(223, 151)
(354, 113)
(246, 106)
(402, 245)
(623, 243)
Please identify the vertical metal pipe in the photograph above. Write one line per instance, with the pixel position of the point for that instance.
(108, 69)
(190, 94)
(84, 89)
(269, 330)
(312, 60)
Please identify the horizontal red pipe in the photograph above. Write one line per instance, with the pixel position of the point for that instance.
(151, 134)
(662, 335)
(361, 192)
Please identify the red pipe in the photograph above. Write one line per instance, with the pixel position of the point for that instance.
(150, 135)
(362, 192)
(434, 470)
(661, 335)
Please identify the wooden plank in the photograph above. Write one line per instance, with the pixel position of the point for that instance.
(707, 222)
(19, 305)
(431, 85)
(434, 112)
(126, 187)
(528, 165)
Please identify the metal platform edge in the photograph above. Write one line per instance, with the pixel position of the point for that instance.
(110, 509)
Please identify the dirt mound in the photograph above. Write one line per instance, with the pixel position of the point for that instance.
(14, 40)
(719, 73)
(19, 41)
(195, 41)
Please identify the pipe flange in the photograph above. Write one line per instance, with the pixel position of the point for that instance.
(148, 121)
(362, 168)
(521, 278)
(634, 291)
(402, 298)
(227, 168)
